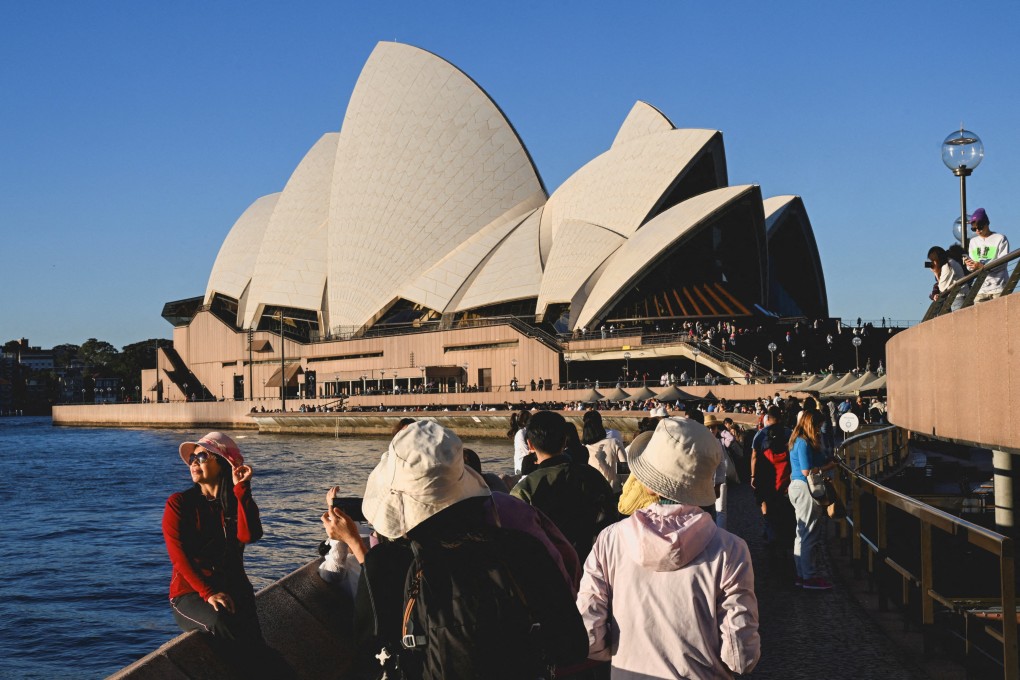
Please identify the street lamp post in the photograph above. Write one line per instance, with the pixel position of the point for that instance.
(696, 351)
(185, 391)
(857, 356)
(363, 376)
(626, 366)
(567, 360)
(251, 367)
(803, 361)
(962, 151)
(772, 351)
(283, 368)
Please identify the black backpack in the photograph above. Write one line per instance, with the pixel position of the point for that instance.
(466, 614)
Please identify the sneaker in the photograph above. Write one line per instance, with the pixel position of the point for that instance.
(816, 583)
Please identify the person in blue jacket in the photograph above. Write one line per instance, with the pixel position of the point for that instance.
(807, 456)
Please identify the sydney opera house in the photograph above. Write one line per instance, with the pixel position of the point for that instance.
(419, 246)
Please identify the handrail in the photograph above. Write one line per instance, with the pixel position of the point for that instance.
(943, 304)
(385, 330)
(882, 522)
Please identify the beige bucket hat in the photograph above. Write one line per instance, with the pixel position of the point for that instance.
(679, 462)
(422, 473)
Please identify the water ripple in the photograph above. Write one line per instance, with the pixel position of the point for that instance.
(83, 568)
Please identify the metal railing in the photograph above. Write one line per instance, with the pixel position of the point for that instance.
(679, 338)
(944, 303)
(955, 578)
(386, 330)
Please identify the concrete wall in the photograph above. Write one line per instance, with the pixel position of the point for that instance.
(465, 423)
(235, 414)
(225, 414)
(217, 353)
(958, 376)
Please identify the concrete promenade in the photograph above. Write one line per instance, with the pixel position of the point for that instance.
(807, 635)
(818, 635)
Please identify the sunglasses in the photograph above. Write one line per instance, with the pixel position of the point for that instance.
(200, 457)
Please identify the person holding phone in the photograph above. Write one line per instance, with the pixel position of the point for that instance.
(344, 548)
(985, 247)
(206, 528)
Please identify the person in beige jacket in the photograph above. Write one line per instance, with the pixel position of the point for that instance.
(604, 452)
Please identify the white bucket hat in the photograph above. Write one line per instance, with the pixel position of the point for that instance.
(422, 473)
(679, 462)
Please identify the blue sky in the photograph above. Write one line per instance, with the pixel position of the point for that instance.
(133, 134)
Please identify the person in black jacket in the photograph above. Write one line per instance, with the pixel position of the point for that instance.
(417, 603)
(575, 496)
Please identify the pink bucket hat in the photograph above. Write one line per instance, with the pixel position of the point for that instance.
(214, 442)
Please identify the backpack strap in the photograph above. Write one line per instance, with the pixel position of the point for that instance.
(408, 638)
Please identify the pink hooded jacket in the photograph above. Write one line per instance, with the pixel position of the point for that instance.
(667, 594)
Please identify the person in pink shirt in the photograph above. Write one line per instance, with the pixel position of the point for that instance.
(670, 564)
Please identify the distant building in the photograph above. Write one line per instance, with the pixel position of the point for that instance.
(418, 246)
(6, 387)
(107, 389)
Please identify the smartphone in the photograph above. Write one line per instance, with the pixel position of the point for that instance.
(928, 264)
(350, 507)
(622, 468)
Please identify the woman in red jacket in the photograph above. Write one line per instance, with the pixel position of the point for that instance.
(206, 529)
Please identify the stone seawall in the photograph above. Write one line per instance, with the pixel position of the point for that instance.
(229, 415)
(489, 424)
(232, 415)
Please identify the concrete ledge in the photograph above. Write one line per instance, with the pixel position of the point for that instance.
(303, 618)
(231, 415)
(234, 415)
(492, 424)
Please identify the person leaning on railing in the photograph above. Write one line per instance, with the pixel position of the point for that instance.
(947, 272)
(984, 248)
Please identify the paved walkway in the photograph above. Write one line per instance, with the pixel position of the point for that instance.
(815, 635)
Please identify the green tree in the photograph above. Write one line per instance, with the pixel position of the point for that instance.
(63, 354)
(134, 358)
(97, 352)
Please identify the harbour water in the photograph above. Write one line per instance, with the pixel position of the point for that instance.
(83, 568)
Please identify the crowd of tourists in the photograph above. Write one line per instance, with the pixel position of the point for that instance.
(593, 559)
